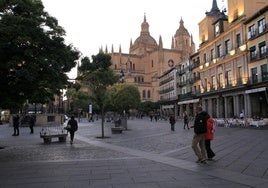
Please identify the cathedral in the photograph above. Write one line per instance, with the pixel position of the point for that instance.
(147, 60)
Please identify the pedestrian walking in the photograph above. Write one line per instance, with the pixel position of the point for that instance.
(32, 123)
(151, 117)
(208, 137)
(200, 128)
(73, 128)
(185, 120)
(242, 115)
(16, 123)
(156, 117)
(172, 122)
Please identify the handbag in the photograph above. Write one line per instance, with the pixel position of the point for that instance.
(68, 127)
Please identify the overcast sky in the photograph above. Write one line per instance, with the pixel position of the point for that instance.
(91, 24)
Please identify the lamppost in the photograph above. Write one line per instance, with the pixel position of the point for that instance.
(260, 106)
(122, 76)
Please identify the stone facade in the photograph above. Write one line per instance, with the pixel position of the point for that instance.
(147, 60)
(227, 75)
(232, 60)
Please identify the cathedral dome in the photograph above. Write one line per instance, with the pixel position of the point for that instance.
(145, 37)
(182, 30)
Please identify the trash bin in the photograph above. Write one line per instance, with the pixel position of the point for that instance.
(117, 123)
(124, 122)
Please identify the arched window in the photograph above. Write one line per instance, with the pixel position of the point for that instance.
(149, 94)
(143, 94)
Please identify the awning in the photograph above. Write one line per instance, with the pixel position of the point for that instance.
(167, 106)
(256, 90)
(188, 101)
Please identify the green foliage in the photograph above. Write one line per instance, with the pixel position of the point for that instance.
(124, 97)
(99, 61)
(148, 106)
(80, 100)
(98, 76)
(34, 58)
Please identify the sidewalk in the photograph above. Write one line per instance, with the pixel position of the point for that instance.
(147, 155)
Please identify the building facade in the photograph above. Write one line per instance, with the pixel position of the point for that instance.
(227, 75)
(232, 60)
(147, 60)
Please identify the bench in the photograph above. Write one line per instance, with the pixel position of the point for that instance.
(117, 130)
(48, 138)
(48, 133)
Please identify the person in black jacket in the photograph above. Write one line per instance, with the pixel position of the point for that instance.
(32, 123)
(73, 127)
(185, 120)
(16, 123)
(172, 122)
(200, 128)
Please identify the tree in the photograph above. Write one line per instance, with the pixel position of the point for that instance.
(98, 76)
(124, 97)
(148, 106)
(34, 58)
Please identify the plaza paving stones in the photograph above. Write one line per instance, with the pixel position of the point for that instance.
(147, 155)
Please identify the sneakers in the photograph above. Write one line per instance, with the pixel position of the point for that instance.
(211, 158)
(203, 161)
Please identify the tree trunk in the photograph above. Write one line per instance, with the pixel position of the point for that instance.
(102, 122)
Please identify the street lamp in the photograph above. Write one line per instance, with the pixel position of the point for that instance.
(260, 106)
(122, 76)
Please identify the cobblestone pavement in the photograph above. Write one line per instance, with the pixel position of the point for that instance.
(148, 154)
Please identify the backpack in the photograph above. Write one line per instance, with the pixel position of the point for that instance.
(200, 124)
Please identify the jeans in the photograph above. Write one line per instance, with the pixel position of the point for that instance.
(198, 145)
(172, 126)
(72, 135)
(16, 131)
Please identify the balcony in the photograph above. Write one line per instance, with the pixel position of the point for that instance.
(181, 72)
(166, 80)
(185, 96)
(257, 32)
(182, 83)
(167, 90)
(226, 85)
(257, 56)
(195, 65)
(257, 79)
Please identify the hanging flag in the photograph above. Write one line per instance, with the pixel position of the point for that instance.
(226, 75)
(202, 84)
(90, 109)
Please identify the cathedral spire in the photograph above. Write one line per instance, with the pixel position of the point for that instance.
(215, 11)
(106, 49)
(172, 43)
(145, 27)
(130, 42)
(160, 42)
(120, 50)
(181, 23)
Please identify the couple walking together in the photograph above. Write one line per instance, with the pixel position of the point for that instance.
(203, 134)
